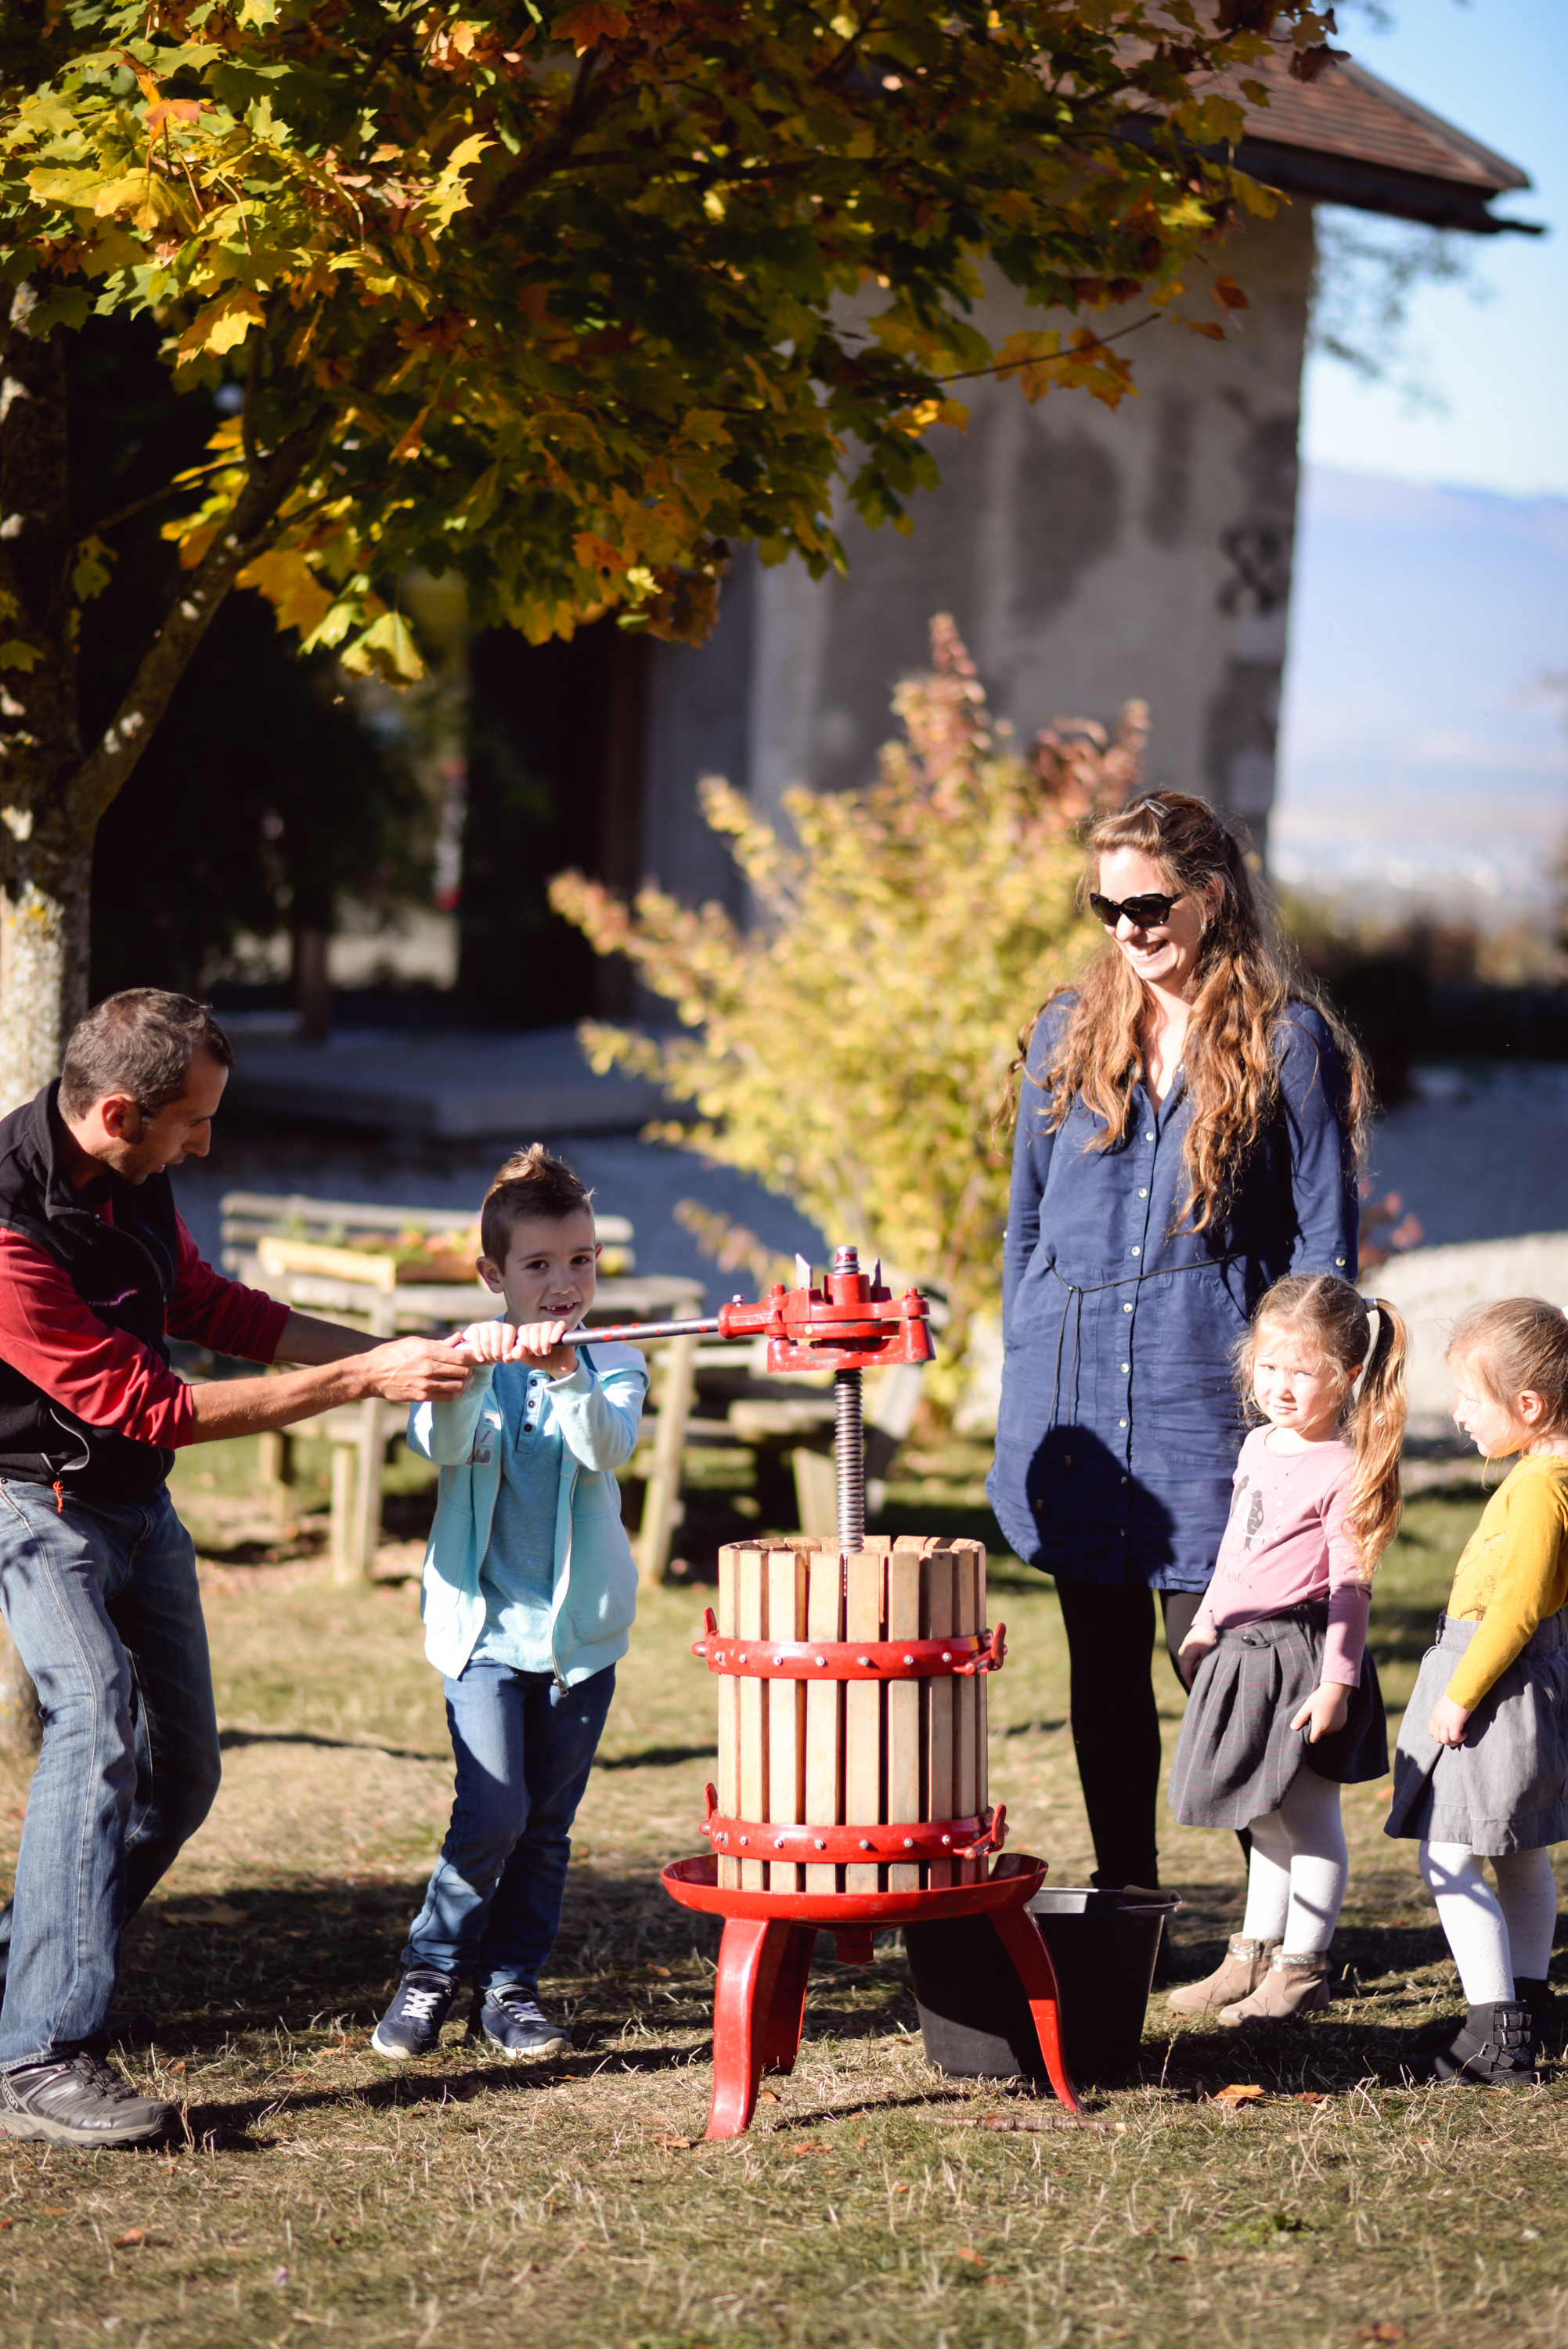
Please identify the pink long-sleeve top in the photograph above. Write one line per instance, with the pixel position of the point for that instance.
(1286, 1545)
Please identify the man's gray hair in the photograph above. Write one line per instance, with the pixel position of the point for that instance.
(140, 1042)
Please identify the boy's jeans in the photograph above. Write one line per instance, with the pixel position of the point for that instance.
(102, 1602)
(525, 1747)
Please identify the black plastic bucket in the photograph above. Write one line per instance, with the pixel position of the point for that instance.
(974, 2016)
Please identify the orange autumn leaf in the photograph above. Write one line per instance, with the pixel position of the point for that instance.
(1238, 2092)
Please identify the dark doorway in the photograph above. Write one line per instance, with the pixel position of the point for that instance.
(554, 781)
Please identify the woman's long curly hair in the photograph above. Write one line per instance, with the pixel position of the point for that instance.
(1244, 981)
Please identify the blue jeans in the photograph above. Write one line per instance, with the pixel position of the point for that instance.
(102, 1602)
(525, 1747)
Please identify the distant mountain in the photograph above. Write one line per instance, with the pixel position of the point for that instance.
(1422, 745)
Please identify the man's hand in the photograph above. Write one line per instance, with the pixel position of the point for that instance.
(1326, 1709)
(1191, 1652)
(413, 1369)
(1448, 1721)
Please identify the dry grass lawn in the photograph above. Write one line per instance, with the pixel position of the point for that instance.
(317, 2193)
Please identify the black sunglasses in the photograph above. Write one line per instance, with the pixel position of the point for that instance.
(1147, 913)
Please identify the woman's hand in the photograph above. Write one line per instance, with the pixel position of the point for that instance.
(1326, 1709)
(1191, 1652)
(1448, 1723)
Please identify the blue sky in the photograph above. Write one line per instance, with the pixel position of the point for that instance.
(1498, 70)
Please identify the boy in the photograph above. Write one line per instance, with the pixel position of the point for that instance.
(528, 1595)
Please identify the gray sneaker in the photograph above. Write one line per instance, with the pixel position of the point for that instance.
(77, 2100)
(512, 2018)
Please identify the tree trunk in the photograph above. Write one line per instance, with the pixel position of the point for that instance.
(311, 982)
(52, 796)
(21, 1728)
(47, 857)
(43, 954)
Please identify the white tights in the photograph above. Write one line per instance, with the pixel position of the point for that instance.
(1296, 1882)
(1495, 1938)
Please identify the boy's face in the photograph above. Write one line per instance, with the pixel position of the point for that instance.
(551, 1268)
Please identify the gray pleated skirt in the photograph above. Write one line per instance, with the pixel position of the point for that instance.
(1237, 1752)
(1506, 1787)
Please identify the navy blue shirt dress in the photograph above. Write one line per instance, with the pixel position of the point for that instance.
(1120, 1421)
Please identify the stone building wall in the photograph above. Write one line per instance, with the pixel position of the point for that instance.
(1087, 555)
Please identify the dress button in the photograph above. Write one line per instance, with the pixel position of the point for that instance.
(1137, 1251)
(1143, 1194)
(1127, 1309)
(1121, 1423)
(1150, 1135)
(1126, 1480)
(1126, 1367)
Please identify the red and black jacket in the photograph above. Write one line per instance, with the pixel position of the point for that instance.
(124, 1270)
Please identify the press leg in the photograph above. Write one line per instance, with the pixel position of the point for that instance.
(786, 2013)
(749, 1963)
(1025, 1944)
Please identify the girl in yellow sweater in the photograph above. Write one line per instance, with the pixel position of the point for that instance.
(1481, 1768)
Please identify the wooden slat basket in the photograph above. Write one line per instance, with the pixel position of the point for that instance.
(830, 1752)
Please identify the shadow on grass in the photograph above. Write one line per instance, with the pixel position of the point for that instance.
(1399, 1634)
(230, 1739)
(656, 1757)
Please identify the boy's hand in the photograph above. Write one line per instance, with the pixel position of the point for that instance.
(1326, 1709)
(1448, 1721)
(1191, 1652)
(486, 1342)
(538, 1343)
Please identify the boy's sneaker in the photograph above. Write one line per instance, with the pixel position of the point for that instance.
(412, 2023)
(512, 2018)
(77, 2100)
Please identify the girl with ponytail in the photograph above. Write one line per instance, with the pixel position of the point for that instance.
(1285, 1706)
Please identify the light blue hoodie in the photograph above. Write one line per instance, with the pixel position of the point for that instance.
(597, 1411)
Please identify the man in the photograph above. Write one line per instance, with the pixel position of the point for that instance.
(97, 1578)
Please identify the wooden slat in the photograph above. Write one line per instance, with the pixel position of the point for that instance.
(335, 1263)
(965, 1619)
(824, 1616)
(903, 1707)
(728, 1714)
(936, 1698)
(982, 1693)
(863, 1573)
(752, 1708)
(785, 1708)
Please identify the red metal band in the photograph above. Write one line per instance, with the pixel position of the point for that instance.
(851, 1660)
(915, 1839)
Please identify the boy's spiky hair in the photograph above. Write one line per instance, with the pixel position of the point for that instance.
(531, 1182)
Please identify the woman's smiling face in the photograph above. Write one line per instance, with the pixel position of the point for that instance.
(1164, 954)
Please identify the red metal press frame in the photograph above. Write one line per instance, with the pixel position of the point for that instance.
(765, 1957)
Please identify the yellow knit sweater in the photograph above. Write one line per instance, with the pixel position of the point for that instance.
(1513, 1572)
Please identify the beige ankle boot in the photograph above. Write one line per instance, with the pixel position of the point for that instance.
(1240, 1971)
(1292, 1986)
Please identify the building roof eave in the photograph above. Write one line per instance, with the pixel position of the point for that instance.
(1370, 187)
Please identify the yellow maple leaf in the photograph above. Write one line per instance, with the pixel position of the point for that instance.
(221, 324)
(290, 586)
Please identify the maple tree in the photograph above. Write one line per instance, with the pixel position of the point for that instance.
(569, 299)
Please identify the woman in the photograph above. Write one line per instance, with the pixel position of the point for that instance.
(1188, 1133)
